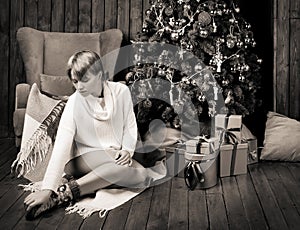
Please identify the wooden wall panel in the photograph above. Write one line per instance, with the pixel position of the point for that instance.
(44, 15)
(286, 57)
(71, 16)
(84, 22)
(4, 67)
(111, 7)
(57, 15)
(124, 18)
(295, 69)
(31, 13)
(136, 17)
(16, 64)
(295, 8)
(282, 58)
(97, 15)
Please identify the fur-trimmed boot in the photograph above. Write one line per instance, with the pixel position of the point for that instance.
(66, 193)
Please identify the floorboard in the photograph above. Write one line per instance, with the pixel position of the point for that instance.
(283, 199)
(265, 198)
(253, 209)
(139, 212)
(216, 207)
(233, 204)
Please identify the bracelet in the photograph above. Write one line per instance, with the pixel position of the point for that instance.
(74, 187)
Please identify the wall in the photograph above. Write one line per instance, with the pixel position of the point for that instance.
(286, 23)
(98, 15)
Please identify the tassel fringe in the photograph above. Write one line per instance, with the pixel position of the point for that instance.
(38, 146)
(86, 211)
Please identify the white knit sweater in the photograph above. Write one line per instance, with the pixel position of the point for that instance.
(90, 127)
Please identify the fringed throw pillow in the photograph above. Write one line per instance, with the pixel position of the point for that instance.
(41, 121)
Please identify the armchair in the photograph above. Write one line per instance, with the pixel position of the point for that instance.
(47, 53)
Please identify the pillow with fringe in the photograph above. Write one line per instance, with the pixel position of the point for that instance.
(40, 125)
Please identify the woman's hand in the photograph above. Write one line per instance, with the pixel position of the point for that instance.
(123, 158)
(37, 198)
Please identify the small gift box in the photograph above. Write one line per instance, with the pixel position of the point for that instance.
(202, 145)
(233, 159)
(175, 161)
(252, 151)
(228, 128)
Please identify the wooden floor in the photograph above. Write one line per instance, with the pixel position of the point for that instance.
(268, 197)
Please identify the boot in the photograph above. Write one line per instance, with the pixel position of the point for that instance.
(65, 194)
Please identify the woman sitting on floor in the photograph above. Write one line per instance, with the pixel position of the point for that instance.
(95, 140)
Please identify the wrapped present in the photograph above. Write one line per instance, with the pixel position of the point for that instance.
(228, 128)
(175, 161)
(233, 159)
(248, 137)
(201, 170)
(202, 145)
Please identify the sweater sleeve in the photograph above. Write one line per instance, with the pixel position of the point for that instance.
(129, 127)
(61, 153)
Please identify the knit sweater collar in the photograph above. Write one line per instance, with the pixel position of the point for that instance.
(93, 107)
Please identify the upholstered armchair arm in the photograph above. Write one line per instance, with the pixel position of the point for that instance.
(22, 93)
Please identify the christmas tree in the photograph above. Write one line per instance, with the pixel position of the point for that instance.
(227, 67)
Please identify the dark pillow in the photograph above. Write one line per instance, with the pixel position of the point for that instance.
(56, 85)
(282, 137)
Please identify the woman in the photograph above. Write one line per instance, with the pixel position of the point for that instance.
(95, 140)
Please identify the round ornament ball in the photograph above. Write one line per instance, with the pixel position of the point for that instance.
(161, 72)
(203, 33)
(147, 103)
(198, 67)
(242, 78)
(174, 36)
(204, 18)
(230, 43)
(129, 76)
(169, 11)
(148, 12)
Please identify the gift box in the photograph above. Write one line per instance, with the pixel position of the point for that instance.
(252, 156)
(175, 161)
(202, 145)
(228, 128)
(205, 169)
(233, 159)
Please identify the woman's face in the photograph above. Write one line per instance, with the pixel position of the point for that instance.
(90, 84)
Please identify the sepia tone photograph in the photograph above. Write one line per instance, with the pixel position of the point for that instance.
(149, 114)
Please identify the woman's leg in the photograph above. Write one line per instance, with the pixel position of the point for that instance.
(112, 174)
(96, 170)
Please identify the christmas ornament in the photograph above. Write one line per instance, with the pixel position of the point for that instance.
(169, 11)
(147, 103)
(174, 36)
(203, 33)
(242, 78)
(204, 18)
(198, 67)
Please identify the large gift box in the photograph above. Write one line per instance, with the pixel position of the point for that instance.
(175, 161)
(228, 128)
(233, 159)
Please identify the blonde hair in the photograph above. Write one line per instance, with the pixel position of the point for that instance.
(82, 62)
